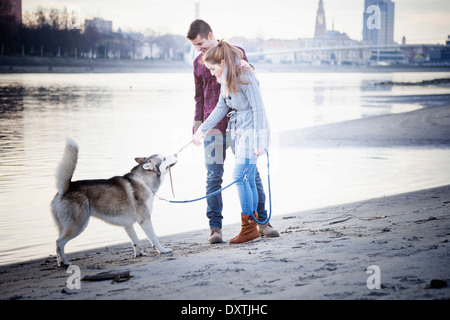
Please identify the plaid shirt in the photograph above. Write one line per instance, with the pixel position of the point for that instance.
(207, 92)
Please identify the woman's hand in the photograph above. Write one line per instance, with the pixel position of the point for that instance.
(258, 151)
(198, 137)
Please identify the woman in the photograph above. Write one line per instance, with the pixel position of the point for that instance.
(248, 124)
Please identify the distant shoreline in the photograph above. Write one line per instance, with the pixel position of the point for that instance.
(71, 65)
(10, 64)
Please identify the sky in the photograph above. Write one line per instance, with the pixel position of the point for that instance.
(420, 21)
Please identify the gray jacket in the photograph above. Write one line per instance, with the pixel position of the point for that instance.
(248, 121)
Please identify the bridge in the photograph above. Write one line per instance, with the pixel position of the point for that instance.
(351, 52)
(320, 49)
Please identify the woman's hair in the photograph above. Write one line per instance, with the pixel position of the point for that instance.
(232, 57)
(198, 28)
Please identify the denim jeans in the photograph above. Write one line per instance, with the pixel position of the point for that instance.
(215, 147)
(244, 172)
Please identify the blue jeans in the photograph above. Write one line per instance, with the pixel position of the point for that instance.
(244, 172)
(215, 154)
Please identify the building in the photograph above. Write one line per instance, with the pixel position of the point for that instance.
(426, 54)
(330, 39)
(378, 23)
(328, 47)
(102, 26)
(445, 53)
(378, 31)
(16, 10)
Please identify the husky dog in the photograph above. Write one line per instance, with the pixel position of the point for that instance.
(122, 200)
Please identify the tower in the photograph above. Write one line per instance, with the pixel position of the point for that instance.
(320, 22)
(197, 10)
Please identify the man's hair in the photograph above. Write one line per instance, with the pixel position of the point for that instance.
(198, 28)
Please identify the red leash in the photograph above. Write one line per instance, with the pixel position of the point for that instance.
(171, 183)
(170, 171)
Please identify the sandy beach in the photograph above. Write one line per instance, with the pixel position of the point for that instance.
(392, 247)
(427, 127)
(321, 254)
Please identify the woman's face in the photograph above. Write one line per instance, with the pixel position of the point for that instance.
(216, 69)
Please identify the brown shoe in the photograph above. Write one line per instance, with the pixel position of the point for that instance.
(215, 236)
(268, 231)
(248, 230)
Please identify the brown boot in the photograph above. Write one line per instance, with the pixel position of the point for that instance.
(248, 230)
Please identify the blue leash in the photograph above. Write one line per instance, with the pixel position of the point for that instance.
(270, 194)
(208, 195)
(220, 190)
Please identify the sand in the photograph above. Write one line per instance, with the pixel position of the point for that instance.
(326, 253)
(427, 127)
(321, 254)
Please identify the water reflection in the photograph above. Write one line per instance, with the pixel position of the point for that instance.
(369, 86)
(318, 94)
(11, 133)
(11, 101)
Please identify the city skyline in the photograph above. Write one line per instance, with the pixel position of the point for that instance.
(418, 21)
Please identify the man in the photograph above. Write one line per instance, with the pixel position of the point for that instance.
(216, 142)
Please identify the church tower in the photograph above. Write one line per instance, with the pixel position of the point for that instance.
(320, 22)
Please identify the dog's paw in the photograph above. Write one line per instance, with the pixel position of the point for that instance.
(64, 264)
(139, 251)
(140, 254)
(165, 250)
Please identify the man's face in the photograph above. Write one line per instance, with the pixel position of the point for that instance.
(202, 44)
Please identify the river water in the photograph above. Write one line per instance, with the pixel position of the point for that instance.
(117, 117)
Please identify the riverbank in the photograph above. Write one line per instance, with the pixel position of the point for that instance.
(427, 127)
(321, 254)
(71, 65)
(11, 64)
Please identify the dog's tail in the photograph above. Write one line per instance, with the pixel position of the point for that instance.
(67, 166)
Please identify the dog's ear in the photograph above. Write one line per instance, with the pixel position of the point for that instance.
(149, 165)
(140, 160)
